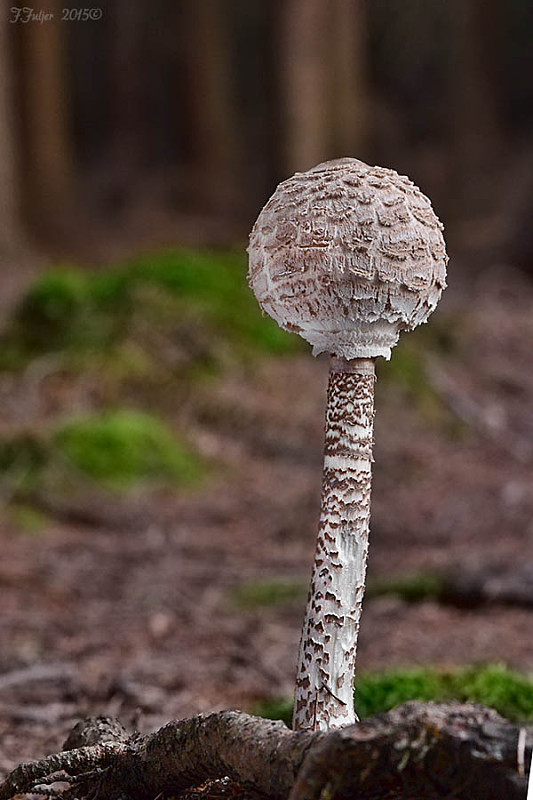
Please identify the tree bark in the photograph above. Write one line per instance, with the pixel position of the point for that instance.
(214, 123)
(350, 107)
(48, 166)
(414, 752)
(477, 140)
(131, 114)
(10, 225)
(304, 82)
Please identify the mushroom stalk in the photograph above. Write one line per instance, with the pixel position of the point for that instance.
(326, 666)
(348, 256)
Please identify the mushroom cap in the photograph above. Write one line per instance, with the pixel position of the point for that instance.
(348, 255)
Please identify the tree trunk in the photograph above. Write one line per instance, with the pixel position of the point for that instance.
(477, 127)
(10, 227)
(350, 115)
(414, 752)
(213, 121)
(304, 82)
(48, 160)
(130, 112)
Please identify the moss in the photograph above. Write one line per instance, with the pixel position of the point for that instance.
(28, 520)
(509, 692)
(493, 685)
(22, 456)
(406, 374)
(123, 447)
(66, 309)
(275, 708)
(381, 692)
(215, 286)
(192, 295)
(407, 371)
(413, 588)
(116, 449)
(261, 594)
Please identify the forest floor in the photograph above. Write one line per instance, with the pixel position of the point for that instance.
(166, 604)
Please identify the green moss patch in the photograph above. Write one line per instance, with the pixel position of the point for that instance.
(413, 588)
(116, 449)
(29, 520)
(120, 448)
(508, 692)
(406, 370)
(407, 375)
(199, 300)
(265, 593)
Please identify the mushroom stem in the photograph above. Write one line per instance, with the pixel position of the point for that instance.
(326, 666)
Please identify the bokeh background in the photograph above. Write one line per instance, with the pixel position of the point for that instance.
(161, 441)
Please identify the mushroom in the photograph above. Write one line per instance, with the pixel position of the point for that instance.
(346, 255)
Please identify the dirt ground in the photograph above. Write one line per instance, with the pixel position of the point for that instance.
(133, 613)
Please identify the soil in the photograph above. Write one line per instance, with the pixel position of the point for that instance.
(134, 615)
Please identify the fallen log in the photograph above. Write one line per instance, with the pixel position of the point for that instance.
(413, 752)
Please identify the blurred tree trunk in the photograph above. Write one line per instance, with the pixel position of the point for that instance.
(10, 225)
(48, 161)
(213, 124)
(478, 135)
(304, 53)
(350, 113)
(129, 116)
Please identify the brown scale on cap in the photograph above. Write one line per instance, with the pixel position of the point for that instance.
(346, 255)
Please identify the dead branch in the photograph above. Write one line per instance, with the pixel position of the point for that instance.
(46, 714)
(36, 673)
(414, 752)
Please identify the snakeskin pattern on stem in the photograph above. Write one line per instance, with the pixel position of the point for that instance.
(324, 685)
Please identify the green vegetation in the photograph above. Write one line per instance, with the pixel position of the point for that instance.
(120, 448)
(141, 329)
(28, 519)
(22, 457)
(413, 588)
(116, 449)
(510, 693)
(276, 708)
(195, 301)
(275, 592)
(407, 370)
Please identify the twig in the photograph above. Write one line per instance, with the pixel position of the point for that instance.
(35, 674)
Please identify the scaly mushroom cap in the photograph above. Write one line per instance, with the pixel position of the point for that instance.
(348, 255)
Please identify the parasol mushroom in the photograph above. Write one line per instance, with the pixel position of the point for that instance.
(346, 255)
